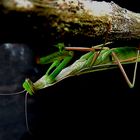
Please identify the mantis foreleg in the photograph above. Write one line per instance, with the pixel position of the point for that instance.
(59, 60)
(50, 78)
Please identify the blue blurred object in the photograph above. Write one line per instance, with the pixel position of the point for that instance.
(15, 62)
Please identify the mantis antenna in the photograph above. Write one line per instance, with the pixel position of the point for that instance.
(14, 93)
(26, 113)
(25, 106)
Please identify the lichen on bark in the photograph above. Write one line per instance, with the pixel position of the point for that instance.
(83, 18)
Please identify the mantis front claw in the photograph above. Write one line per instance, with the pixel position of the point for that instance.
(59, 61)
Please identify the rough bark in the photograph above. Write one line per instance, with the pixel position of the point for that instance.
(77, 18)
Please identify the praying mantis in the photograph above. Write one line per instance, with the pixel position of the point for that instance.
(98, 58)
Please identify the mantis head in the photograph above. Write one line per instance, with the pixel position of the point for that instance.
(29, 87)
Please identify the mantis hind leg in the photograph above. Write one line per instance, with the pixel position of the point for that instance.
(131, 85)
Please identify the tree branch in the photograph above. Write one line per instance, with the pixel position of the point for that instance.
(77, 18)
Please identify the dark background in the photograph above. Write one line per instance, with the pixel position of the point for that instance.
(65, 108)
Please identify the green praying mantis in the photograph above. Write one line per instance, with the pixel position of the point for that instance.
(97, 58)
